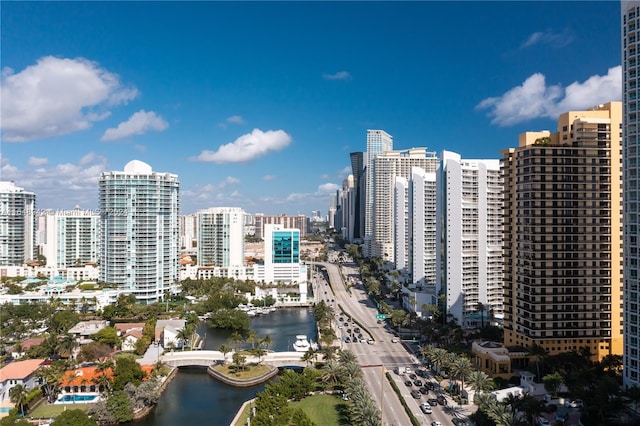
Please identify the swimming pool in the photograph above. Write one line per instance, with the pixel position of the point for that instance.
(71, 398)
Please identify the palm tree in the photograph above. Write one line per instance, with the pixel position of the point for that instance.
(235, 339)
(481, 308)
(67, 345)
(460, 368)
(346, 356)
(351, 371)
(225, 350)
(331, 373)
(252, 338)
(532, 407)
(102, 380)
(50, 378)
(266, 342)
(540, 353)
(309, 356)
(479, 381)
(183, 335)
(18, 395)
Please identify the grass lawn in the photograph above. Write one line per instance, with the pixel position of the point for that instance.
(324, 410)
(242, 419)
(48, 411)
(250, 371)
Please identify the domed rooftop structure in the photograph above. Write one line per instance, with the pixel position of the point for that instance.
(138, 167)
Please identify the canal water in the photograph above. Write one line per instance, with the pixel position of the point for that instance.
(193, 398)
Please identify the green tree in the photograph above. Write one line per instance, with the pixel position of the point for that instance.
(120, 407)
(18, 395)
(239, 360)
(225, 350)
(127, 371)
(552, 382)
(62, 321)
(67, 345)
(107, 336)
(73, 418)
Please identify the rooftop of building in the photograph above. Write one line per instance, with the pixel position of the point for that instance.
(19, 370)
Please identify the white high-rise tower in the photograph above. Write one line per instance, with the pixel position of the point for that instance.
(17, 224)
(139, 230)
(378, 141)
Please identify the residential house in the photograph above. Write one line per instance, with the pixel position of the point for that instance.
(167, 332)
(17, 373)
(20, 350)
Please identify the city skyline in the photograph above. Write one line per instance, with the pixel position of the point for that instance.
(258, 105)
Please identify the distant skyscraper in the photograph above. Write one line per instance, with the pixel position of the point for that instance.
(221, 237)
(300, 222)
(188, 225)
(69, 237)
(17, 224)
(388, 166)
(139, 230)
(470, 233)
(358, 170)
(631, 61)
(378, 141)
(562, 239)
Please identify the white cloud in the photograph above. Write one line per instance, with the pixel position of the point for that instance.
(321, 193)
(340, 75)
(269, 177)
(62, 185)
(38, 161)
(328, 188)
(57, 96)
(324, 176)
(534, 99)
(346, 171)
(138, 124)
(247, 147)
(548, 37)
(235, 119)
(140, 148)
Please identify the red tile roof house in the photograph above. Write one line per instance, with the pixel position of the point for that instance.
(21, 349)
(17, 373)
(130, 333)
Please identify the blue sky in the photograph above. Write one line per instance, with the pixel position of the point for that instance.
(258, 105)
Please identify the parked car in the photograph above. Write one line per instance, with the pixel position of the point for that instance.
(370, 341)
(426, 408)
(432, 401)
(347, 340)
(576, 403)
(543, 422)
(416, 394)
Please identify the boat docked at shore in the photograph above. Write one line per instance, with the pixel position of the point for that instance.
(302, 344)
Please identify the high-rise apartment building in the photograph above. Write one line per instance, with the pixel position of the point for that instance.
(69, 238)
(562, 235)
(470, 230)
(357, 170)
(630, 22)
(282, 256)
(17, 224)
(378, 141)
(221, 237)
(139, 230)
(299, 221)
(388, 166)
(188, 231)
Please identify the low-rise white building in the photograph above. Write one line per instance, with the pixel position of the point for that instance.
(167, 332)
(17, 373)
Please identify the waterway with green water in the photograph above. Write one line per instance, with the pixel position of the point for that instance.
(193, 398)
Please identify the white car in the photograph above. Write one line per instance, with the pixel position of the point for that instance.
(426, 408)
(576, 403)
(543, 422)
(395, 340)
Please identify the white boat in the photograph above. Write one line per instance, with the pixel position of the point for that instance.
(301, 344)
(251, 312)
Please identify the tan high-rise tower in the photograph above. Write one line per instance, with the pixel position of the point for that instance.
(563, 235)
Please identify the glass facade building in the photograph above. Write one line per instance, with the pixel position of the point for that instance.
(286, 246)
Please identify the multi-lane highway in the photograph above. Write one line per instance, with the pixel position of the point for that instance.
(384, 354)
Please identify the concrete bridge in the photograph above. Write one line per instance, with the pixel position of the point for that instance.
(208, 358)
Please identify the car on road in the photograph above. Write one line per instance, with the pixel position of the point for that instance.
(370, 341)
(543, 422)
(426, 408)
(576, 403)
(395, 340)
(436, 423)
(459, 422)
(442, 400)
(417, 382)
(432, 401)
(347, 340)
(408, 383)
(423, 390)
(416, 394)
(413, 376)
